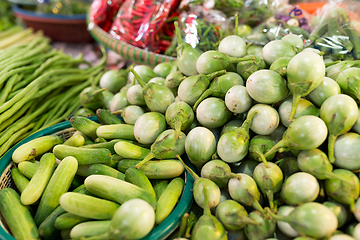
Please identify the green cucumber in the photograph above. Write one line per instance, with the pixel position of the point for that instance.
(75, 141)
(130, 150)
(82, 189)
(116, 131)
(109, 145)
(155, 169)
(84, 156)
(115, 158)
(100, 140)
(89, 229)
(160, 186)
(76, 182)
(38, 182)
(103, 169)
(88, 140)
(116, 190)
(47, 227)
(35, 147)
(85, 125)
(124, 164)
(59, 184)
(19, 179)
(107, 118)
(83, 170)
(68, 220)
(138, 178)
(65, 234)
(28, 168)
(88, 206)
(168, 199)
(17, 217)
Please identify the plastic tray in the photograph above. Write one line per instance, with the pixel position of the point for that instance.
(160, 232)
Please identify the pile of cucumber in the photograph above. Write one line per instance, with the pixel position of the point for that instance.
(73, 188)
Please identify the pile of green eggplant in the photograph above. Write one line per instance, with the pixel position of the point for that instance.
(273, 132)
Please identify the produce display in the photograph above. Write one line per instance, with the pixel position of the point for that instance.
(268, 133)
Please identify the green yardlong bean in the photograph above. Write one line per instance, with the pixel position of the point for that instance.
(40, 87)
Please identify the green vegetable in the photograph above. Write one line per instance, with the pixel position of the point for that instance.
(167, 145)
(59, 184)
(17, 216)
(138, 178)
(84, 156)
(88, 206)
(305, 72)
(116, 190)
(311, 219)
(168, 199)
(35, 148)
(38, 182)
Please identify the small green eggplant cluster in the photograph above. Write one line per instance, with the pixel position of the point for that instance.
(272, 135)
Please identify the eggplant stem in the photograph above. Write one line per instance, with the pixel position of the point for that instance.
(236, 25)
(331, 145)
(274, 149)
(331, 175)
(248, 220)
(177, 129)
(213, 75)
(183, 225)
(246, 124)
(137, 77)
(275, 216)
(295, 103)
(192, 173)
(331, 63)
(256, 205)
(270, 197)
(145, 160)
(204, 95)
(177, 33)
(207, 210)
(190, 223)
(237, 59)
(232, 175)
(259, 154)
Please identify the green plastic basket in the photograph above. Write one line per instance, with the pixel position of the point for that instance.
(126, 50)
(65, 130)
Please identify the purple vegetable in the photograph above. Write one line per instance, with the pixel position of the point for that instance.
(306, 27)
(303, 21)
(285, 18)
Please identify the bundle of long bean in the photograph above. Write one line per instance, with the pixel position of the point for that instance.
(39, 87)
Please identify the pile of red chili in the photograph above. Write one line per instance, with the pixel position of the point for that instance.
(147, 24)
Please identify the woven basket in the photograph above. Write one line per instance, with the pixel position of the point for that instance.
(62, 28)
(65, 130)
(126, 50)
